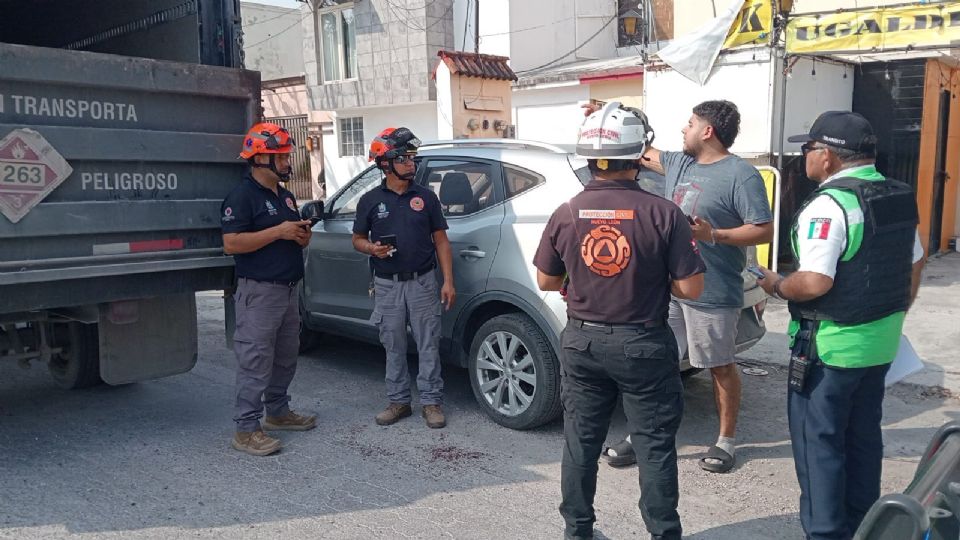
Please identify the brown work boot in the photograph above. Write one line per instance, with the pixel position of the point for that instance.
(290, 422)
(393, 413)
(434, 416)
(255, 443)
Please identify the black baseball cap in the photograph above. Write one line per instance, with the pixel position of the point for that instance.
(842, 129)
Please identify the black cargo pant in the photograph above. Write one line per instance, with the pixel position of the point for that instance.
(639, 365)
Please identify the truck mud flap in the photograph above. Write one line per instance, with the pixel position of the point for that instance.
(148, 338)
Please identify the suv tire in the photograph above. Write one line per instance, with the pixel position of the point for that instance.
(309, 338)
(532, 361)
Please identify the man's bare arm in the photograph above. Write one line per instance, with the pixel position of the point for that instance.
(746, 235)
(546, 282)
(688, 288)
(651, 160)
(915, 278)
(805, 286)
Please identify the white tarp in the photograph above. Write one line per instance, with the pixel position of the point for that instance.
(694, 54)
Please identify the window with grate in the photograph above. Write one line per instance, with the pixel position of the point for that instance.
(352, 142)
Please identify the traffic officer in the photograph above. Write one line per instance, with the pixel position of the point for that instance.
(263, 231)
(859, 269)
(401, 226)
(624, 252)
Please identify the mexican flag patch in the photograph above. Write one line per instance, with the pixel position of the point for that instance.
(819, 229)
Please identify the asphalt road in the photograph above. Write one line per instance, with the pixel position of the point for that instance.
(152, 460)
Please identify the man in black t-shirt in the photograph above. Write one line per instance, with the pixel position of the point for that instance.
(401, 226)
(624, 251)
(263, 231)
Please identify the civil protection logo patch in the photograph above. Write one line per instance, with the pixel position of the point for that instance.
(416, 203)
(605, 250)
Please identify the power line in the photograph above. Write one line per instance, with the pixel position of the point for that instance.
(409, 23)
(255, 23)
(526, 29)
(298, 23)
(575, 49)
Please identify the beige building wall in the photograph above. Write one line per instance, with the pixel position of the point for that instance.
(284, 100)
(626, 91)
(475, 108)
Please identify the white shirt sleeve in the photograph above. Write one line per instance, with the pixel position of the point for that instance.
(821, 236)
(917, 249)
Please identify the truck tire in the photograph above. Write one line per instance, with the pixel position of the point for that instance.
(78, 366)
(514, 373)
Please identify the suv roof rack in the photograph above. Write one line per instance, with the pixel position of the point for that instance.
(499, 143)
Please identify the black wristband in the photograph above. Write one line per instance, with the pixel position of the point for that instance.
(776, 289)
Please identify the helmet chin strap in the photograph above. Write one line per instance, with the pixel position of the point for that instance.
(283, 176)
(408, 176)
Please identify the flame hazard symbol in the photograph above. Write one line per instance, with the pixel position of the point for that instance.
(605, 251)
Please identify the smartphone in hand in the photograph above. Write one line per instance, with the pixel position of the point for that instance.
(755, 270)
(389, 240)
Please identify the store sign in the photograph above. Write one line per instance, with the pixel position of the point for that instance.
(875, 30)
(752, 25)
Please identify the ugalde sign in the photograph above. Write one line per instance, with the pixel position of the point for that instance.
(29, 170)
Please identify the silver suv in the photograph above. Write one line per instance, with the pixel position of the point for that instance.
(502, 328)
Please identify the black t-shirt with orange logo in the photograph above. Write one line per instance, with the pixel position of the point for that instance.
(621, 247)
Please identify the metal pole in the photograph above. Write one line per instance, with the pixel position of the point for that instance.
(476, 26)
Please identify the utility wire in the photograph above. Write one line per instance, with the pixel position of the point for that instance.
(526, 29)
(298, 23)
(575, 49)
(255, 23)
(409, 23)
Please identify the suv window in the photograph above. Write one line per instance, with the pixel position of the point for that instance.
(519, 180)
(464, 187)
(345, 205)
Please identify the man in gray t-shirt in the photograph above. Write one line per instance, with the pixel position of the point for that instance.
(724, 198)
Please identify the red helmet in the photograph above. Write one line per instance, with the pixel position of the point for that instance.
(393, 142)
(266, 138)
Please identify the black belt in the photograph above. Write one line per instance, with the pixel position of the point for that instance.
(290, 284)
(606, 326)
(404, 276)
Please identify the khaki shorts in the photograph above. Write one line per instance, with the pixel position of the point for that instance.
(708, 334)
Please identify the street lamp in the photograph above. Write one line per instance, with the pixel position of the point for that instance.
(631, 27)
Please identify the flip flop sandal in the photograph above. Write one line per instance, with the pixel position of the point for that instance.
(719, 454)
(620, 454)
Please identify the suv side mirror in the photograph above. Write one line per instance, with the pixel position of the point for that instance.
(312, 210)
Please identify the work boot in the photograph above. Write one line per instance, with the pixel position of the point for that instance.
(255, 443)
(290, 422)
(393, 413)
(434, 416)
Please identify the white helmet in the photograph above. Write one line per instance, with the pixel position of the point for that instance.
(614, 132)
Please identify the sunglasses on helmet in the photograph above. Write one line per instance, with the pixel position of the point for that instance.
(271, 141)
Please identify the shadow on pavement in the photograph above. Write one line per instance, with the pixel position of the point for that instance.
(156, 455)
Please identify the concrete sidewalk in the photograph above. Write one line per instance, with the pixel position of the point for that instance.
(932, 326)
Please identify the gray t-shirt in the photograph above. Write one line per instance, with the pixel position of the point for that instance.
(728, 194)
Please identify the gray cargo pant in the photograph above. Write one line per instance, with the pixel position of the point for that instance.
(416, 301)
(267, 342)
